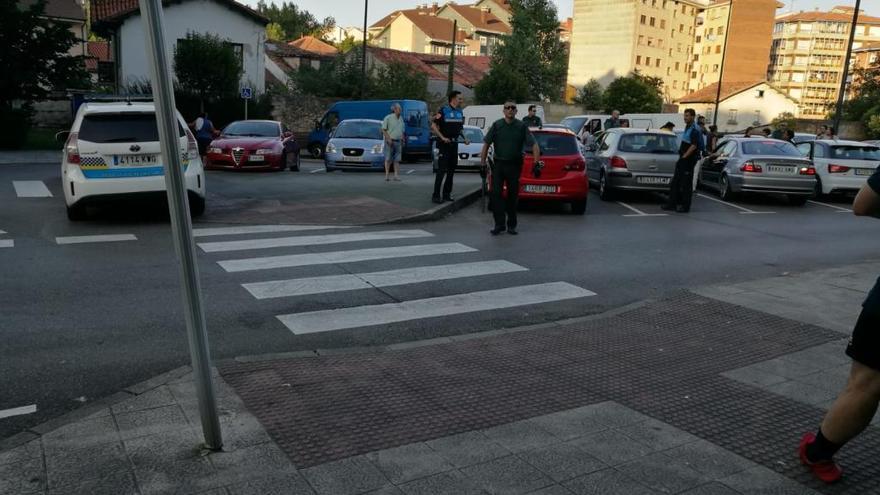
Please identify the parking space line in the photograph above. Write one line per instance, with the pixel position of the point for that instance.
(745, 211)
(317, 171)
(410, 171)
(639, 213)
(18, 411)
(262, 229)
(83, 239)
(2, 232)
(311, 240)
(31, 189)
(839, 209)
(7, 243)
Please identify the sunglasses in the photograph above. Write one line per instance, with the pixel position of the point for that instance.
(509, 107)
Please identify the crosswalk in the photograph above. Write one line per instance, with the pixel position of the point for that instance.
(420, 270)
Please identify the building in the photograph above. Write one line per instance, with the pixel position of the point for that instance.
(312, 44)
(741, 41)
(742, 104)
(865, 57)
(564, 30)
(612, 38)
(339, 34)
(501, 8)
(70, 13)
(807, 55)
(121, 23)
(282, 59)
(483, 28)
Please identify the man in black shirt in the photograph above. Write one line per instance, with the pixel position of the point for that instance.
(532, 120)
(447, 126)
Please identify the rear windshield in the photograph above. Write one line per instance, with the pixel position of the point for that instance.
(777, 148)
(358, 130)
(855, 152)
(574, 123)
(553, 144)
(649, 143)
(252, 129)
(121, 128)
(472, 135)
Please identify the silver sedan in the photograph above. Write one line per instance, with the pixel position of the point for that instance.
(625, 159)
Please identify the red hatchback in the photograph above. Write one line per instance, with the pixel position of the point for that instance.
(563, 177)
(253, 145)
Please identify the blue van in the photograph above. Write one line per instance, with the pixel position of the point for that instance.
(414, 113)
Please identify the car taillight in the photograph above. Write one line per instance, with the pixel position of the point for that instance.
(837, 169)
(618, 162)
(71, 149)
(751, 167)
(192, 146)
(576, 164)
(807, 171)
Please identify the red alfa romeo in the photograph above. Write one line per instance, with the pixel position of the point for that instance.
(253, 145)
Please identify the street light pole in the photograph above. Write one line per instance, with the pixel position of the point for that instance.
(721, 71)
(838, 112)
(364, 53)
(181, 224)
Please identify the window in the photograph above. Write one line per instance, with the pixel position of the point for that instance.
(681, 28)
(677, 65)
(118, 128)
(674, 84)
(648, 61)
(699, 38)
(650, 41)
(477, 121)
(669, 71)
(720, 30)
(653, 20)
(694, 75)
(638, 60)
(711, 31)
(643, 20)
(653, 3)
(659, 43)
(663, 22)
(657, 63)
(679, 48)
(772, 148)
(641, 39)
(654, 143)
(717, 48)
(715, 68)
(683, 9)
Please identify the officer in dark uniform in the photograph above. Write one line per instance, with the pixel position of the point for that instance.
(681, 186)
(447, 126)
(532, 119)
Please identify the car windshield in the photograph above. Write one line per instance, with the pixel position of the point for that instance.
(253, 129)
(472, 135)
(855, 152)
(358, 130)
(121, 128)
(769, 147)
(649, 143)
(555, 144)
(574, 123)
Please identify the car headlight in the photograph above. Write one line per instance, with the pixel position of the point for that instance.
(265, 151)
(379, 148)
(331, 148)
(216, 151)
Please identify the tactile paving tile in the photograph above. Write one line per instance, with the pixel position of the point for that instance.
(663, 360)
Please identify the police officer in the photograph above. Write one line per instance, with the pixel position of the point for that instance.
(509, 136)
(447, 125)
(681, 187)
(532, 120)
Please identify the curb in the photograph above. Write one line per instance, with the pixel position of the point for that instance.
(437, 212)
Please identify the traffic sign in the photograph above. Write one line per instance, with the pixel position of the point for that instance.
(247, 93)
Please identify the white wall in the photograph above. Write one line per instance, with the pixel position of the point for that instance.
(749, 108)
(201, 16)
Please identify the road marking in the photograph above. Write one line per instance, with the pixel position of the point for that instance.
(640, 213)
(744, 211)
(2, 232)
(83, 239)
(317, 171)
(839, 209)
(262, 229)
(18, 411)
(390, 278)
(311, 240)
(351, 256)
(31, 189)
(7, 243)
(410, 171)
(382, 314)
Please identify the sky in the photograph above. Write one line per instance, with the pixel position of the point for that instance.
(351, 12)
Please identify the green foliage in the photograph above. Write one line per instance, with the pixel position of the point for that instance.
(865, 95)
(295, 22)
(500, 84)
(349, 43)
(340, 78)
(275, 32)
(207, 66)
(786, 118)
(224, 109)
(533, 49)
(590, 97)
(398, 80)
(633, 94)
(872, 124)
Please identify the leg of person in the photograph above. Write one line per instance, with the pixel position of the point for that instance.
(674, 188)
(450, 173)
(687, 192)
(438, 178)
(512, 175)
(498, 209)
(389, 153)
(398, 152)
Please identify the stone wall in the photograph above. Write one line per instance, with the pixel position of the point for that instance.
(53, 114)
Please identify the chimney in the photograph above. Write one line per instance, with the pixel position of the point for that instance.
(484, 15)
(434, 7)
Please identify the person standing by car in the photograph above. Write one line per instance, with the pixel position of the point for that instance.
(712, 141)
(532, 120)
(854, 408)
(392, 130)
(613, 121)
(447, 125)
(204, 130)
(510, 137)
(681, 187)
(788, 135)
(821, 131)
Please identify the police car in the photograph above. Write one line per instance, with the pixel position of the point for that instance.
(112, 151)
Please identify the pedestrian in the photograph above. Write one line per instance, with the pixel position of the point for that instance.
(712, 142)
(704, 133)
(204, 131)
(532, 120)
(681, 187)
(766, 132)
(855, 406)
(509, 137)
(613, 121)
(447, 126)
(820, 132)
(668, 127)
(788, 135)
(830, 133)
(749, 131)
(779, 132)
(392, 130)
(624, 123)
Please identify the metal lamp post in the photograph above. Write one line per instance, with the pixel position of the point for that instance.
(838, 112)
(721, 72)
(364, 53)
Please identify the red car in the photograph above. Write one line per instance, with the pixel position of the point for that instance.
(253, 145)
(563, 177)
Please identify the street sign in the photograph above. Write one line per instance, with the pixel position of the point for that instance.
(247, 93)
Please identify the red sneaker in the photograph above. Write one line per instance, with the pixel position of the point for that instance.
(827, 471)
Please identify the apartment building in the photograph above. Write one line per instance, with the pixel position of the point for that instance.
(807, 54)
(739, 32)
(611, 38)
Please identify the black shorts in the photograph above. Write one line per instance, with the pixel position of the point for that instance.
(203, 145)
(864, 345)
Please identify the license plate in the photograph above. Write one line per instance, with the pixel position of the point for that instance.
(135, 160)
(653, 180)
(256, 158)
(864, 171)
(531, 188)
(351, 158)
(780, 170)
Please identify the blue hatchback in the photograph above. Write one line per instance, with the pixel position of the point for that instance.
(356, 144)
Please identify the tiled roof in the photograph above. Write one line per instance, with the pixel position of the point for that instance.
(728, 89)
(826, 16)
(116, 10)
(381, 23)
(99, 51)
(434, 27)
(469, 70)
(312, 44)
(60, 9)
(484, 21)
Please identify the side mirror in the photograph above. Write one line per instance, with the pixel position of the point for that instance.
(62, 136)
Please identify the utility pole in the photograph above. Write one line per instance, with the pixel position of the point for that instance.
(450, 81)
(838, 112)
(364, 53)
(721, 72)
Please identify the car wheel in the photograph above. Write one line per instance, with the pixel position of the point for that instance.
(797, 200)
(724, 191)
(316, 150)
(579, 207)
(291, 161)
(605, 193)
(817, 192)
(76, 213)
(196, 206)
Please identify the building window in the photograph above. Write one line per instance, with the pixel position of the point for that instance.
(641, 39)
(677, 65)
(715, 68)
(674, 84)
(720, 30)
(653, 20)
(663, 22)
(638, 60)
(653, 3)
(694, 75)
(648, 61)
(717, 48)
(643, 20)
(699, 38)
(681, 28)
(679, 48)
(668, 71)
(683, 9)
(659, 43)
(657, 63)
(711, 31)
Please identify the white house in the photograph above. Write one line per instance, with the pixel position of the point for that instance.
(241, 26)
(742, 104)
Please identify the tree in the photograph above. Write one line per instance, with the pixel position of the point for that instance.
(590, 96)
(207, 66)
(786, 118)
(533, 49)
(340, 78)
(295, 23)
(35, 60)
(872, 125)
(398, 80)
(275, 32)
(632, 94)
(502, 83)
(348, 43)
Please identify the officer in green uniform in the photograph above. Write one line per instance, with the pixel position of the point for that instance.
(510, 137)
(532, 119)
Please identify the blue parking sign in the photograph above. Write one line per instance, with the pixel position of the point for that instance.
(246, 93)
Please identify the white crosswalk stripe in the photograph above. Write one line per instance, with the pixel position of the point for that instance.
(84, 239)
(7, 243)
(31, 189)
(261, 229)
(313, 240)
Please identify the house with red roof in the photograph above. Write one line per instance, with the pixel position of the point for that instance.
(742, 104)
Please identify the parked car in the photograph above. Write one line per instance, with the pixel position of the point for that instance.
(576, 123)
(653, 120)
(841, 166)
(112, 151)
(758, 165)
(356, 144)
(874, 142)
(417, 124)
(803, 137)
(253, 145)
(563, 177)
(468, 154)
(626, 159)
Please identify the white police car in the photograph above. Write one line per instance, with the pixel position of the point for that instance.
(112, 152)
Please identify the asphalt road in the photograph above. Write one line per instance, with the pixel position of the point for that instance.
(81, 321)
